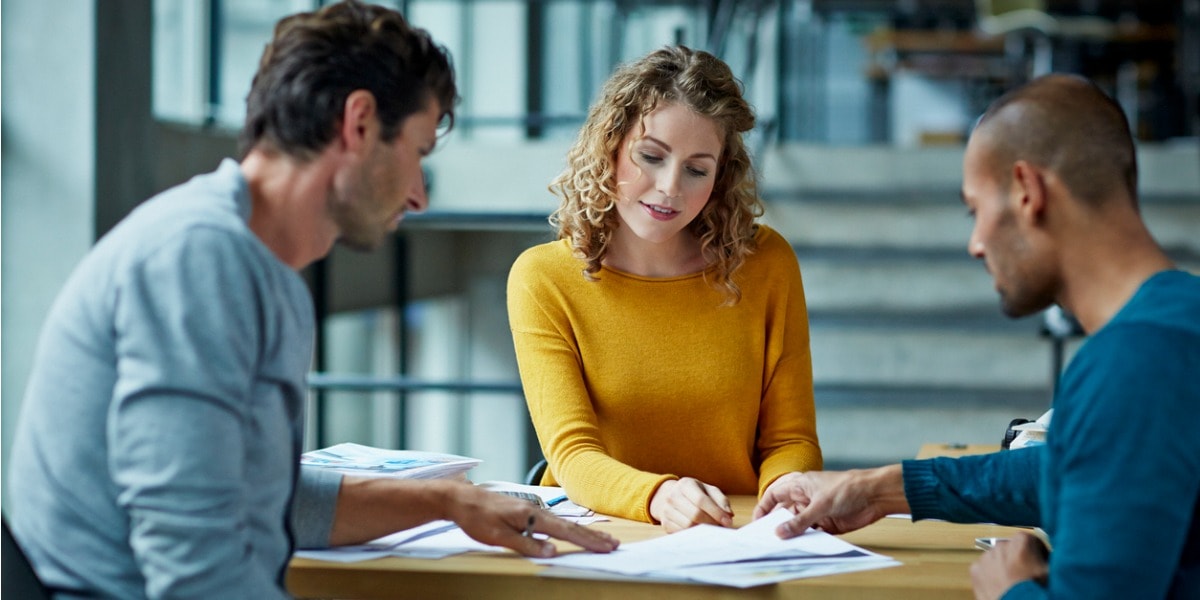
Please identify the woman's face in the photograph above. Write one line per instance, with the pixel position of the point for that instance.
(666, 169)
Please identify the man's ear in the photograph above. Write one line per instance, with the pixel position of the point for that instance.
(360, 122)
(1029, 190)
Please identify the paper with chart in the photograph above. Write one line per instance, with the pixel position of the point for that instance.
(752, 555)
(555, 498)
(366, 461)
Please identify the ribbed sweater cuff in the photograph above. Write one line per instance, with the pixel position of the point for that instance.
(920, 488)
(314, 505)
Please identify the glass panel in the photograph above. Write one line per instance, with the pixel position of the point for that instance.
(487, 41)
(179, 42)
(816, 71)
(246, 27)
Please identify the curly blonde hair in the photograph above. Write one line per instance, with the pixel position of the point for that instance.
(587, 188)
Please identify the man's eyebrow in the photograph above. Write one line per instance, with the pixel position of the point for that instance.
(667, 147)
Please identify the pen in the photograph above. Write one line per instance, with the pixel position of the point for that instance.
(558, 500)
(528, 527)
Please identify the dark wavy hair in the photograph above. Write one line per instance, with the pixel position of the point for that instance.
(587, 188)
(316, 59)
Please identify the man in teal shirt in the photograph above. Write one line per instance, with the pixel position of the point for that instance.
(1050, 177)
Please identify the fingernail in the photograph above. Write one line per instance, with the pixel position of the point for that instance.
(784, 530)
(547, 550)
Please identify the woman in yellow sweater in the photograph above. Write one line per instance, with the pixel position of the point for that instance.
(663, 339)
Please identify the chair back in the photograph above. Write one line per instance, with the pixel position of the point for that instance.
(17, 578)
(534, 476)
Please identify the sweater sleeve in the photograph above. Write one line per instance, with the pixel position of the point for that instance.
(787, 433)
(313, 506)
(560, 406)
(185, 358)
(1125, 458)
(990, 488)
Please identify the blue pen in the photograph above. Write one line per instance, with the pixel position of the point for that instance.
(558, 500)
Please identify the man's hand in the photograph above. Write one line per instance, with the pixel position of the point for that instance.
(679, 504)
(836, 502)
(370, 507)
(1012, 561)
(501, 520)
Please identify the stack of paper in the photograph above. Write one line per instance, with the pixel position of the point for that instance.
(1032, 433)
(365, 461)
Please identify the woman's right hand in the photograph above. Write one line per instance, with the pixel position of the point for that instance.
(679, 504)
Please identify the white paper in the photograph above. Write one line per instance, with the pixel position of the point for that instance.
(755, 573)
(387, 545)
(343, 554)
(366, 461)
(709, 545)
(436, 539)
(551, 495)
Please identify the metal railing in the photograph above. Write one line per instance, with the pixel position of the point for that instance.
(320, 383)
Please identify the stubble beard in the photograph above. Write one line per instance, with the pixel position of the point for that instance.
(360, 229)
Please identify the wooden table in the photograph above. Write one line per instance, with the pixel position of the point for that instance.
(935, 557)
(955, 450)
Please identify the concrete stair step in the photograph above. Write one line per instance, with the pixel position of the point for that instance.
(884, 279)
(901, 356)
(934, 219)
(876, 278)
(871, 425)
(964, 319)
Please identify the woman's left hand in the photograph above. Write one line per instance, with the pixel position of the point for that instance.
(679, 504)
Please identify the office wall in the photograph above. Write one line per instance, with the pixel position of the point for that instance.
(48, 174)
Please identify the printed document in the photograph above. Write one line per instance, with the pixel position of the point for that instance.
(752, 555)
(366, 461)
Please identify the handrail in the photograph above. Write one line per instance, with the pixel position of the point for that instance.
(399, 383)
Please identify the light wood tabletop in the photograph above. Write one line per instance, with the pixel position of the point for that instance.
(935, 557)
(955, 449)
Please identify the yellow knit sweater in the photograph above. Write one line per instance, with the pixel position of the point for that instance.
(632, 381)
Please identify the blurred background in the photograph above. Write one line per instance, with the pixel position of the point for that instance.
(863, 106)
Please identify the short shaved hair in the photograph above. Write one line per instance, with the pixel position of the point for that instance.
(1063, 123)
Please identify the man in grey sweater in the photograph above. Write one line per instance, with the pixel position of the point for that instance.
(157, 453)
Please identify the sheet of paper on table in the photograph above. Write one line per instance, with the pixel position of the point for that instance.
(745, 557)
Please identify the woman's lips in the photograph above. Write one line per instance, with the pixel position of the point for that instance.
(660, 213)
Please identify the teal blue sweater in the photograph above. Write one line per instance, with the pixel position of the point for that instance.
(1117, 486)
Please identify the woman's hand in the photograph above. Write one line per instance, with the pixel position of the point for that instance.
(679, 504)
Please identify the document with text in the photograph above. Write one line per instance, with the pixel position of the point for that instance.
(745, 557)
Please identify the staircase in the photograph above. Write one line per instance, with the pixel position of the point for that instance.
(909, 345)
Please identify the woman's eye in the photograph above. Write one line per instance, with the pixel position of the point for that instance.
(697, 172)
(650, 158)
